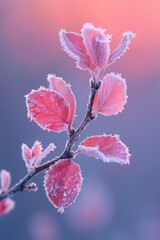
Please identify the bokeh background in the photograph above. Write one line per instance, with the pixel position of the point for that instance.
(116, 202)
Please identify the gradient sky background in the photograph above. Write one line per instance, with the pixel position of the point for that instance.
(117, 202)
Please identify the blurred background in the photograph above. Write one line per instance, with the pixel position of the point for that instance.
(116, 202)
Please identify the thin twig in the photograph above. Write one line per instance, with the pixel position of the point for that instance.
(73, 137)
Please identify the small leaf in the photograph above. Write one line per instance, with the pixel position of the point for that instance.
(62, 88)
(111, 96)
(5, 178)
(97, 45)
(6, 206)
(122, 47)
(73, 45)
(48, 109)
(35, 156)
(51, 147)
(105, 147)
(63, 183)
(37, 149)
(26, 153)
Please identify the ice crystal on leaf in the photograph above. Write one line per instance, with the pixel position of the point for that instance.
(63, 183)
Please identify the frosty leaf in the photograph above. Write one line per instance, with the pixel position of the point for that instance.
(6, 206)
(73, 45)
(51, 147)
(62, 88)
(105, 147)
(111, 96)
(26, 152)
(35, 156)
(5, 179)
(97, 44)
(37, 149)
(122, 47)
(48, 109)
(63, 183)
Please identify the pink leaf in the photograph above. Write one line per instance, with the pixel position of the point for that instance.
(6, 206)
(73, 45)
(97, 45)
(51, 147)
(111, 96)
(36, 154)
(63, 183)
(37, 149)
(122, 47)
(105, 147)
(5, 178)
(62, 88)
(48, 109)
(26, 153)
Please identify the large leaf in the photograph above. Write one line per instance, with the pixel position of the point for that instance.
(63, 183)
(105, 147)
(48, 109)
(111, 96)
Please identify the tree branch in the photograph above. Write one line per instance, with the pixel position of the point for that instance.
(73, 137)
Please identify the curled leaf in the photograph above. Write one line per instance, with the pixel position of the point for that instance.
(111, 96)
(63, 183)
(105, 147)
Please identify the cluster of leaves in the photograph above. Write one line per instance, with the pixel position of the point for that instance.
(54, 109)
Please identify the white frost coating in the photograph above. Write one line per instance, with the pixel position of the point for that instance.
(122, 47)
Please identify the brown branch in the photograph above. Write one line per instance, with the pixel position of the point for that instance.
(73, 137)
